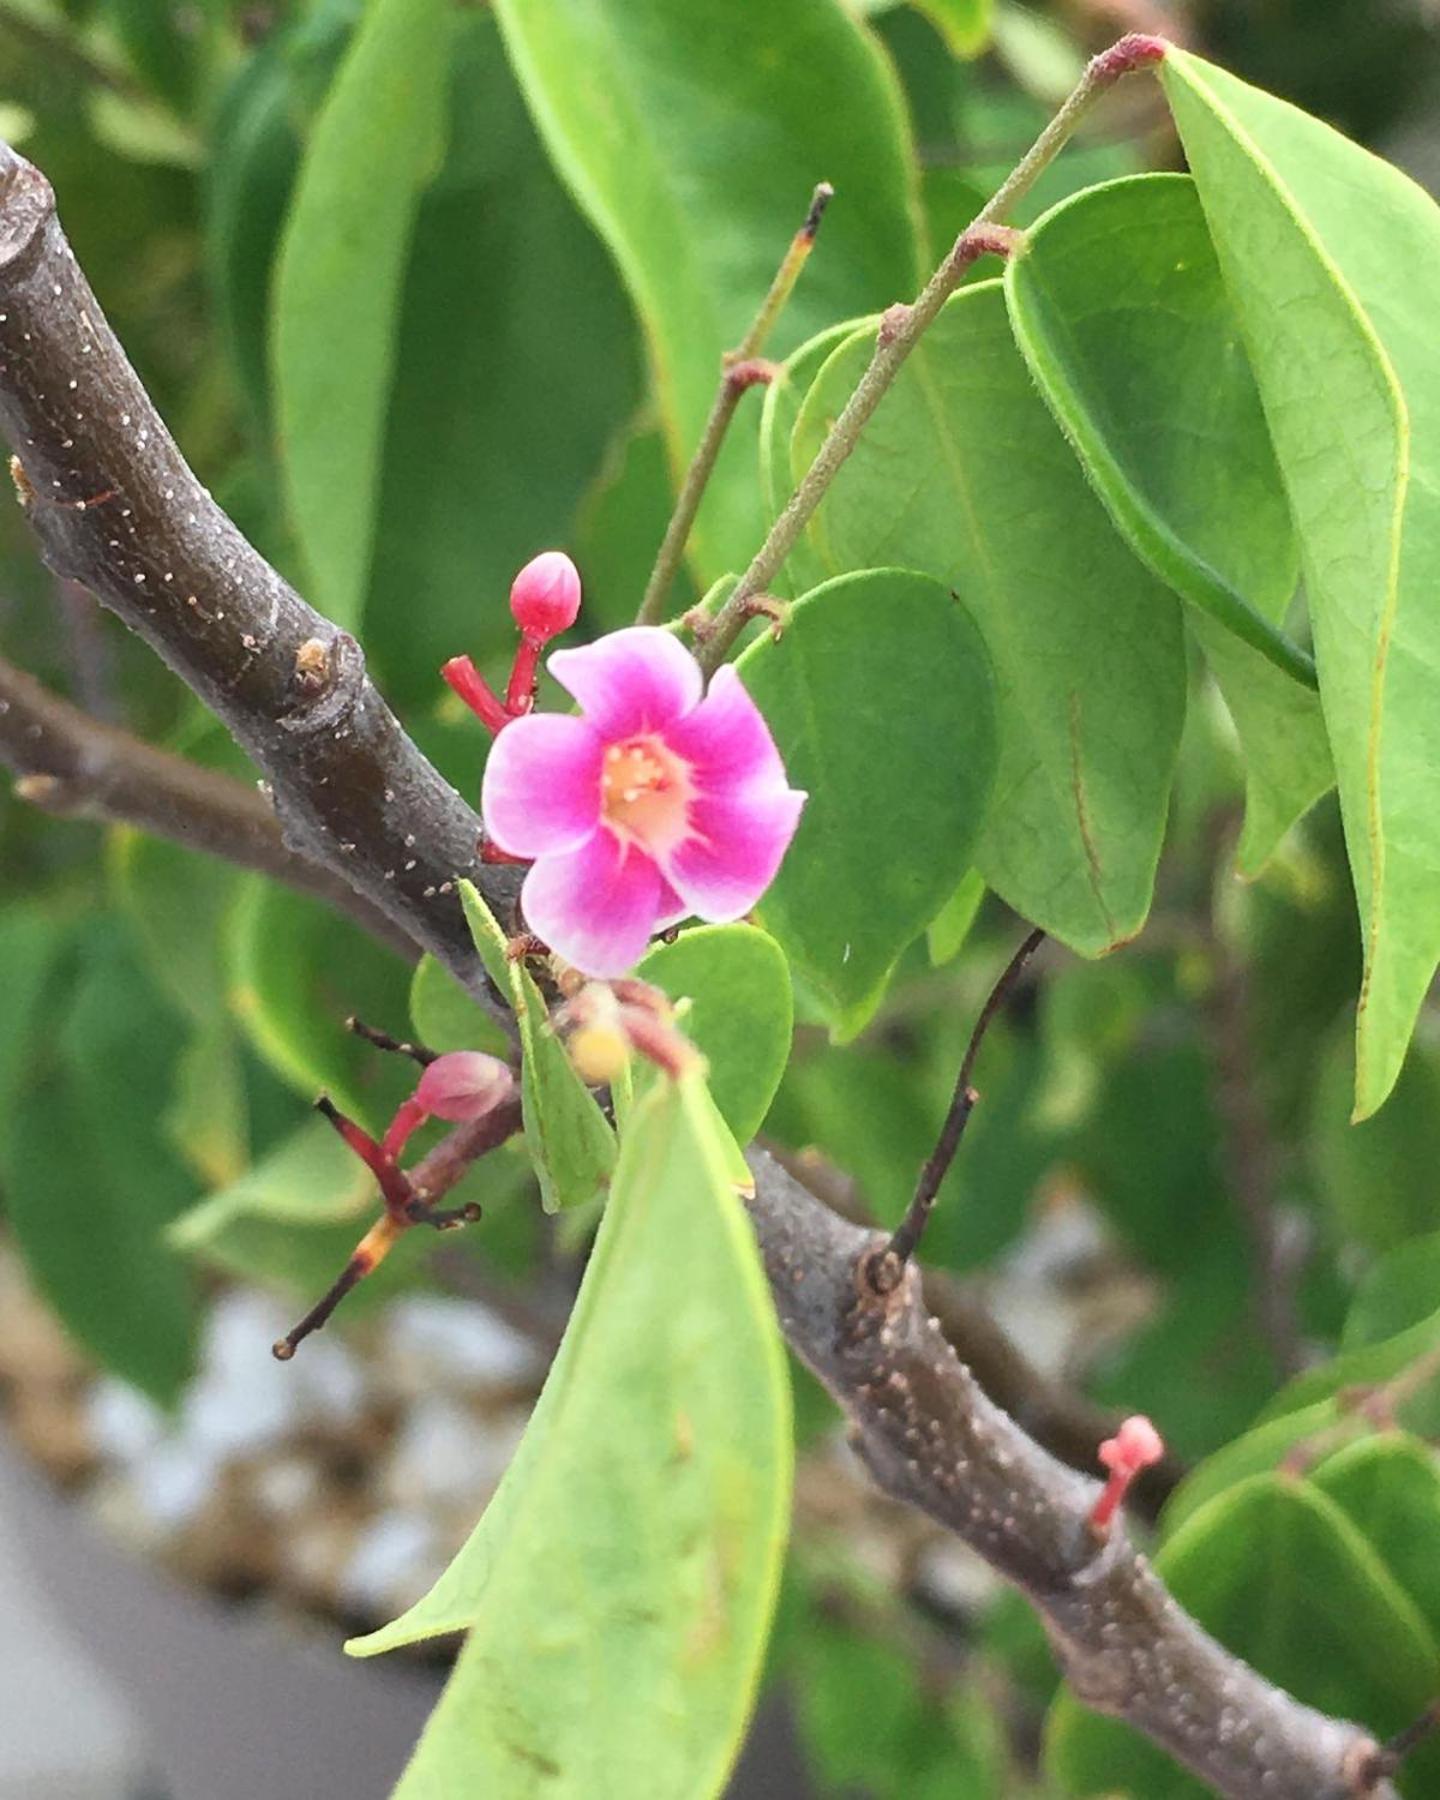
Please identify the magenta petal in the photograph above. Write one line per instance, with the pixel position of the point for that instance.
(541, 791)
(672, 908)
(596, 905)
(726, 741)
(639, 679)
(734, 849)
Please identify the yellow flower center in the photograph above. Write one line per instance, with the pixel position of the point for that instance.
(644, 792)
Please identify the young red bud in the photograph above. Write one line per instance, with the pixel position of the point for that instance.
(463, 1085)
(545, 596)
(1135, 1446)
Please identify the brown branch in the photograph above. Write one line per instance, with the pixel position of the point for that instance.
(115, 507)
(79, 767)
(354, 794)
(930, 1436)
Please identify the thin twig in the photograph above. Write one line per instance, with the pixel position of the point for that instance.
(905, 1239)
(382, 1040)
(740, 371)
(903, 326)
(78, 767)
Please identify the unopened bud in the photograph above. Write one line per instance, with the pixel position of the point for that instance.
(463, 1085)
(545, 596)
(1135, 1446)
(598, 1051)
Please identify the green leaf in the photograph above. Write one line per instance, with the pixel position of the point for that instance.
(784, 397)
(620, 524)
(569, 1138)
(964, 24)
(619, 1587)
(879, 697)
(1380, 1179)
(444, 1015)
(375, 145)
(208, 1117)
(1119, 307)
(32, 942)
(693, 148)
(516, 360)
(1282, 1577)
(951, 925)
(1400, 1289)
(1257, 1452)
(1389, 1487)
(963, 473)
(1311, 232)
(91, 1182)
(294, 974)
(740, 1014)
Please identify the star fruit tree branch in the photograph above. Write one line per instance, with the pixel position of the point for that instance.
(115, 506)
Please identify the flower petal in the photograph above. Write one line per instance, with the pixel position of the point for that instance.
(596, 905)
(726, 741)
(735, 847)
(541, 791)
(639, 679)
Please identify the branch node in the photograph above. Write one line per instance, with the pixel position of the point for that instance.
(1136, 50)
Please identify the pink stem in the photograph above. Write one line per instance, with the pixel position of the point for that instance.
(467, 681)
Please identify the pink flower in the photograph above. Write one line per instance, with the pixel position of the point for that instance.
(658, 802)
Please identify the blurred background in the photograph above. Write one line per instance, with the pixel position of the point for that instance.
(1159, 1205)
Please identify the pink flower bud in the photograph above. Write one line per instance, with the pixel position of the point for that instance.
(545, 596)
(463, 1085)
(1135, 1446)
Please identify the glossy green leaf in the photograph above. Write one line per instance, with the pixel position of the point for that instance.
(310, 1178)
(1119, 307)
(1398, 1290)
(963, 473)
(375, 145)
(1310, 231)
(1280, 1574)
(951, 925)
(294, 974)
(784, 397)
(1258, 1452)
(1408, 1353)
(619, 1587)
(445, 1017)
(879, 696)
(570, 1140)
(619, 527)
(207, 1119)
(1389, 1486)
(693, 147)
(740, 1013)
(1380, 1179)
(516, 360)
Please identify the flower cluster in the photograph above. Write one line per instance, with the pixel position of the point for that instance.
(658, 801)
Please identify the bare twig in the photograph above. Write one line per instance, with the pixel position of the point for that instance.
(905, 1239)
(740, 371)
(355, 794)
(79, 767)
(903, 326)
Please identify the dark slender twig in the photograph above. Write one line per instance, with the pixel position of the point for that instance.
(410, 1198)
(905, 1239)
(359, 797)
(382, 1040)
(79, 767)
(741, 370)
(1247, 1146)
(1391, 1756)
